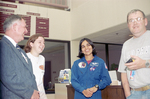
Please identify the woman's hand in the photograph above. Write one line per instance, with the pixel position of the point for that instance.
(93, 89)
(87, 93)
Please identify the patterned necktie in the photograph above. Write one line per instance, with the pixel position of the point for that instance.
(18, 48)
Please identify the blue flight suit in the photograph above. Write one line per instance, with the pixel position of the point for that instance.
(84, 75)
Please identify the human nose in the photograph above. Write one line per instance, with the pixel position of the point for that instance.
(86, 47)
(135, 21)
(43, 44)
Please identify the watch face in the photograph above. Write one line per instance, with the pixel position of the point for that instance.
(147, 64)
(96, 86)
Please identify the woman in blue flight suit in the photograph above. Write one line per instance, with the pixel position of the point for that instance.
(89, 74)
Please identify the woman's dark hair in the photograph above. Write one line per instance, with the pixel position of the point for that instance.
(80, 55)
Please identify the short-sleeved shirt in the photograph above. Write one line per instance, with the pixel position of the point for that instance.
(138, 47)
(38, 65)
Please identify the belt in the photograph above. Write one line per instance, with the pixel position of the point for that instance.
(142, 88)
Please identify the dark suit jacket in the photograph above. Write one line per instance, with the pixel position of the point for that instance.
(16, 75)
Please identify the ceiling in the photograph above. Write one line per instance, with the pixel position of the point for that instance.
(116, 35)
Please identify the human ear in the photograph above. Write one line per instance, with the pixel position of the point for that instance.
(14, 27)
(31, 44)
(146, 22)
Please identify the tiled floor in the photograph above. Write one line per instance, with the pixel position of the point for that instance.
(50, 96)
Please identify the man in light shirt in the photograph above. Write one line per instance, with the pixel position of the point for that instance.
(135, 75)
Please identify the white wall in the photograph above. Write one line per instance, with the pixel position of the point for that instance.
(74, 51)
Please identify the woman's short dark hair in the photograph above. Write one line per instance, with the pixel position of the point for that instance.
(80, 55)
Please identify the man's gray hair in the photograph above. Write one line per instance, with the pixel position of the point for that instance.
(133, 11)
(9, 21)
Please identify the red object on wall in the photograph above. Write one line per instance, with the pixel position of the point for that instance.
(42, 26)
(31, 13)
(8, 5)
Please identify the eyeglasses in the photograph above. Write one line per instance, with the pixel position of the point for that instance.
(136, 19)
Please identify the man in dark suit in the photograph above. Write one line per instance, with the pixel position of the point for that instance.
(16, 75)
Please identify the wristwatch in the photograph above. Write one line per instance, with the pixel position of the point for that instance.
(97, 86)
(147, 64)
